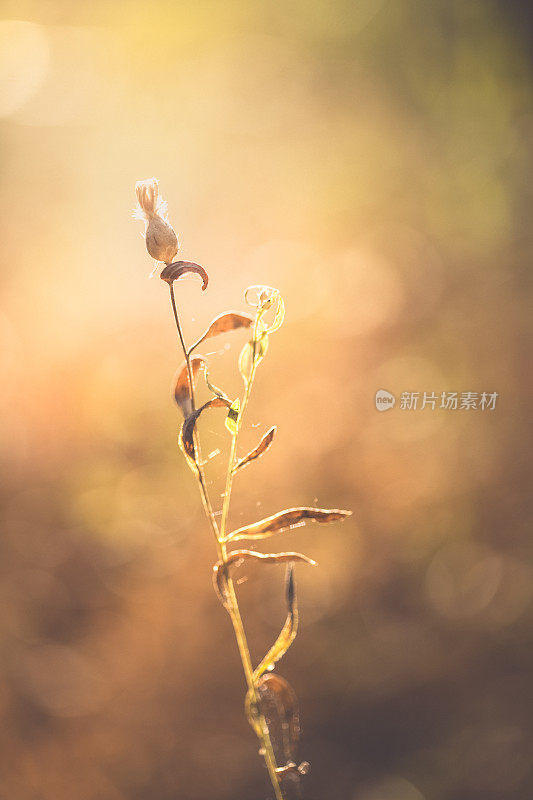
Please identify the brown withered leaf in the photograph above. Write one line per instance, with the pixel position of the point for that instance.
(279, 705)
(174, 271)
(258, 451)
(228, 321)
(286, 519)
(288, 632)
(182, 393)
(186, 435)
(236, 557)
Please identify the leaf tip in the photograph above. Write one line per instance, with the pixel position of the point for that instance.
(290, 588)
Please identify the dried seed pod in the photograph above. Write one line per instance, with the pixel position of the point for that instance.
(161, 240)
(287, 519)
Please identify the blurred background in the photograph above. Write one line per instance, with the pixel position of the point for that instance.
(372, 160)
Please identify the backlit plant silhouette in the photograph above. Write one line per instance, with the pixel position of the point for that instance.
(271, 705)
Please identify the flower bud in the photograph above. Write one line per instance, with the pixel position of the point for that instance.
(161, 240)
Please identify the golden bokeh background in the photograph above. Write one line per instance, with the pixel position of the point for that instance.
(372, 160)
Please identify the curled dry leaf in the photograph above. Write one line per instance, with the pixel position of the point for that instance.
(186, 435)
(286, 519)
(229, 321)
(260, 296)
(221, 568)
(263, 298)
(174, 271)
(182, 393)
(258, 451)
(288, 632)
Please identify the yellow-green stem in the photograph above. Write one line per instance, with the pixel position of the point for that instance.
(233, 605)
(233, 449)
(242, 643)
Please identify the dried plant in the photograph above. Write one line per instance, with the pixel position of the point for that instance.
(271, 705)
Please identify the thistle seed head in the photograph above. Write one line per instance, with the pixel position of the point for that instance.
(161, 240)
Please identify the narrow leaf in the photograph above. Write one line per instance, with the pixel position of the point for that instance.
(286, 519)
(174, 271)
(279, 316)
(258, 451)
(232, 420)
(245, 361)
(211, 386)
(186, 434)
(252, 354)
(236, 557)
(228, 321)
(182, 393)
(288, 632)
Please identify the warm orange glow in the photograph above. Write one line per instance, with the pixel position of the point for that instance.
(371, 160)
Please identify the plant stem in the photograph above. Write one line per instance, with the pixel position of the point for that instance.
(233, 450)
(240, 635)
(208, 508)
(232, 603)
(233, 606)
